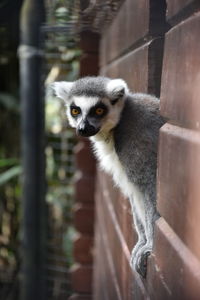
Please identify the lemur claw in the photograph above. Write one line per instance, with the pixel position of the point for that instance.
(142, 264)
(139, 262)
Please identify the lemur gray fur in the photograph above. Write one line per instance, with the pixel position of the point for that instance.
(123, 128)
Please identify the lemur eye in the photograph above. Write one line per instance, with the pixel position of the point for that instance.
(99, 111)
(75, 111)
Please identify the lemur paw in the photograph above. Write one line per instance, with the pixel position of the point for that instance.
(140, 244)
(139, 259)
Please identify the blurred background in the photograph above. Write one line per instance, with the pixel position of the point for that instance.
(61, 62)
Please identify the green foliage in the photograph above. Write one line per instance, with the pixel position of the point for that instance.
(9, 102)
(53, 116)
(9, 174)
(68, 239)
(7, 162)
(10, 193)
(10, 169)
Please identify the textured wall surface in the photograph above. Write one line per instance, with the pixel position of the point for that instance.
(81, 272)
(140, 47)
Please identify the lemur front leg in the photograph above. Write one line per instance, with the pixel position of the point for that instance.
(144, 246)
(139, 228)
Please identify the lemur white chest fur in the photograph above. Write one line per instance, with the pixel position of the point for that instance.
(109, 162)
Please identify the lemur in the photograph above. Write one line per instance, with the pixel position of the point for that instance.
(123, 128)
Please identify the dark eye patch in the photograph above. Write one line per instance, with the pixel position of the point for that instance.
(114, 101)
(76, 108)
(93, 110)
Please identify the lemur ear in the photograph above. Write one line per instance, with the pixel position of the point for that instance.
(62, 89)
(116, 89)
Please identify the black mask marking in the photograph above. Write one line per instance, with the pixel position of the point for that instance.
(72, 107)
(93, 111)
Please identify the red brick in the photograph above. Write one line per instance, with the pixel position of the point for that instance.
(84, 188)
(108, 194)
(81, 276)
(89, 42)
(107, 278)
(177, 268)
(180, 77)
(89, 64)
(83, 249)
(133, 68)
(112, 268)
(180, 8)
(99, 274)
(105, 185)
(178, 182)
(135, 21)
(106, 285)
(141, 68)
(110, 236)
(80, 297)
(85, 160)
(125, 25)
(84, 218)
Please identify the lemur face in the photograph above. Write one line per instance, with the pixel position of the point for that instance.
(94, 104)
(87, 114)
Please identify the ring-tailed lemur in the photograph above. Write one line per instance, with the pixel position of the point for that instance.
(123, 128)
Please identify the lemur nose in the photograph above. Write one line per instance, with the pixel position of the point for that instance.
(82, 131)
(87, 130)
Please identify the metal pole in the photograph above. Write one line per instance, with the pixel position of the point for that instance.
(33, 160)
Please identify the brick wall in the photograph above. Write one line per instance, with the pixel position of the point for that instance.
(132, 48)
(81, 272)
(177, 245)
